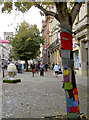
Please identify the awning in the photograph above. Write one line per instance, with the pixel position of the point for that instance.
(4, 41)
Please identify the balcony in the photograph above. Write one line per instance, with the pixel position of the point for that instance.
(54, 45)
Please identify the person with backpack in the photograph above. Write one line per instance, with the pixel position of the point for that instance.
(41, 69)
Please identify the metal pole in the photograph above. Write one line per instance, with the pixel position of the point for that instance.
(2, 69)
(2, 61)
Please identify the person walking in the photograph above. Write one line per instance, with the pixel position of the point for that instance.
(33, 68)
(46, 66)
(56, 69)
(36, 68)
(39, 66)
(22, 68)
(53, 66)
(41, 69)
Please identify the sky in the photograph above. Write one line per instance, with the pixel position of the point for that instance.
(8, 22)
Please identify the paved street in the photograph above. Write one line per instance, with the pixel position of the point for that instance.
(36, 97)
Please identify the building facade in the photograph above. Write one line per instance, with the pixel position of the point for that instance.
(4, 52)
(54, 38)
(8, 36)
(45, 47)
(81, 40)
(51, 34)
(5, 49)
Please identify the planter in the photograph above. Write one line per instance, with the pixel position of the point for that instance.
(12, 81)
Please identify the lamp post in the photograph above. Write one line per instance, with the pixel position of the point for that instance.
(3, 69)
(2, 60)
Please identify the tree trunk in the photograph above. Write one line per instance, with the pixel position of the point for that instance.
(69, 82)
(26, 65)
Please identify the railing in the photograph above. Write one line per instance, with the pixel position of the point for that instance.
(54, 43)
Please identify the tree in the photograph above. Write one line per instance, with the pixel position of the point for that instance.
(26, 43)
(66, 18)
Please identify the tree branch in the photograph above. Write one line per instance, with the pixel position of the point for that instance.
(75, 10)
(61, 10)
(46, 12)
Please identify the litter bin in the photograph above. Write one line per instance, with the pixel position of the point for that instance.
(11, 69)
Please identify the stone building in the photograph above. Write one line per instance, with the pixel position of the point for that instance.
(50, 30)
(7, 36)
(4, 53)
(54, 38)
(5, 48)
(81, 40)
(45, 47)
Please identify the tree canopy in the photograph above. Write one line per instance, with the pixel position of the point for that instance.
(62, 13)
(26, 43)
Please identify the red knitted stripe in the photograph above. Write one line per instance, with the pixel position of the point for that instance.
(66, 41)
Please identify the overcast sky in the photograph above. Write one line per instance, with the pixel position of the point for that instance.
(9, 21)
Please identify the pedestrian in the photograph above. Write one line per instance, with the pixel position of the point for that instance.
(46, 66)
(17, 66)
(22, 68)
(60, 72)
(5, 66)
(33, 68)
(36, 68)
(39, 66)
(41, 69)
(53, 66)
(56, 69)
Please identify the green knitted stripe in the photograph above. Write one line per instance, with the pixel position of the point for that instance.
(66, 29)
(65, 38)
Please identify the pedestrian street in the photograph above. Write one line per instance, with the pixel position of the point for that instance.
(38, 96)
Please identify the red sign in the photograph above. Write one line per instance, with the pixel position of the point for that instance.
(4, 41)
